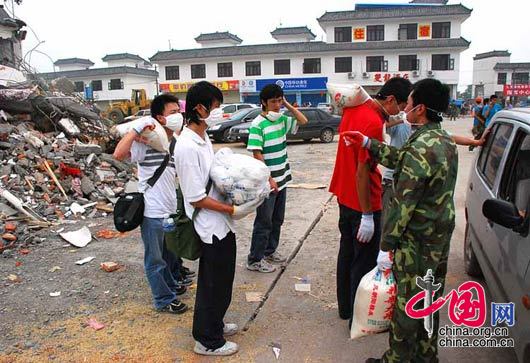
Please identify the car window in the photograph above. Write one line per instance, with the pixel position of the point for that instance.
(312, 116)
(491, 155)
(229, 109)
(515, 184)
(243, 106)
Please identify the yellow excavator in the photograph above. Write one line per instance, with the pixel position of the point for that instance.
(117, 111)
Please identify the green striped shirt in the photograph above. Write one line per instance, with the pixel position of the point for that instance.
(270, 137)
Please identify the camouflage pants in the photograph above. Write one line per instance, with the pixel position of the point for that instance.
(408, 339)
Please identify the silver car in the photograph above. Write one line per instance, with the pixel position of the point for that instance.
(497, 244)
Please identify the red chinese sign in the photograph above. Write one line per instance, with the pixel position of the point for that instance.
(517, 90)
(358, 33)
(424, 31)
(383, 77)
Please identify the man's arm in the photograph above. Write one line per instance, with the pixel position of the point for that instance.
(385, 155)
(259, 156)
(212, 204)
(123, 149)
(392, 123)
(363, 186)
(299, 116)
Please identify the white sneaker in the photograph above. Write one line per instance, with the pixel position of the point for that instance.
(228, 349)
(275, 258)
(230, 329)
(261, 266)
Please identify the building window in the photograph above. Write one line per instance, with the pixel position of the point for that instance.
(312, 65)
(97, 85)
(375, 33)
(172, 72)
(441, 30)
(343, 34)
(224, 69)
(501, 78)
(282, 66)
(408, 31)
(253, 68)
(79, 86)
(520, 78)
(442, 62)
(376, 64)
(343, 64)
(198, 71)
(408, 62)
(115, 84)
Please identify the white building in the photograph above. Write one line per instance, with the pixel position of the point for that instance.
(11, 37)
(124, 73)
(493, 73)
(367, 45)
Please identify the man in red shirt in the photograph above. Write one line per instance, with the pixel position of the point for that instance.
(356, 182)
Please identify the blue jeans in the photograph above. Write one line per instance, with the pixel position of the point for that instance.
(267, 226)
(158, 262)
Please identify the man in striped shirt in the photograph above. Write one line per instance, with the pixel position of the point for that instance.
(267, 140)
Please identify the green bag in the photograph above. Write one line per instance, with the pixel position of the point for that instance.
(184, 241)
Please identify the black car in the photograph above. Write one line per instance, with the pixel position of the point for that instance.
(219, 132)
(321, 125)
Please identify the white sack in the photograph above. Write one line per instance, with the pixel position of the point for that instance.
(156, 138)
(346, 95)
(240, 177)
(374, 303)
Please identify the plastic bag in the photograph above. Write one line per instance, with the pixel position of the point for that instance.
(346, 95)
(240, 177)
(374, 303)
(156, 138)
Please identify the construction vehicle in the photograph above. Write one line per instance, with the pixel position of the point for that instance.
(117, 111)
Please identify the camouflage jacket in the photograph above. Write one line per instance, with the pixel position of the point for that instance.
(422, 208)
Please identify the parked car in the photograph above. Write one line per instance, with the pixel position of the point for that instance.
(320, 125)
(231, 108)
(325, 106)
(137, 115)
(220, 132)
(497, 210)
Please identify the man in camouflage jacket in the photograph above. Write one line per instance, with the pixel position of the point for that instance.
(421, 218)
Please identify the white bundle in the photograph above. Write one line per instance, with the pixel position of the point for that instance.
(156, 138)
(346, 95)
(240, 177)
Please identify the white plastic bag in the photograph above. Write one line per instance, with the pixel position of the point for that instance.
(240, 177)
(346, 95)
(156, 138)
(374, 303)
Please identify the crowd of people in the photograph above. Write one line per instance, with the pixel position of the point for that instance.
(401, 220)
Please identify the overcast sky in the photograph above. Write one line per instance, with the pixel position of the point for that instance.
(92, 29)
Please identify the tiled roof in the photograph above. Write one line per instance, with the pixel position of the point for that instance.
(119, 56)
(96, 72)
(493, 53)
(60, 62)
(218, 36)
(7, 20)
(305, 47)
(512, 66)
(298, 30)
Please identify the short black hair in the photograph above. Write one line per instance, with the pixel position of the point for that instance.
(486, 100)
(159, 104)
(434, 95)
(201, 93)
(493, 96)
(396, 86)
(268, 92)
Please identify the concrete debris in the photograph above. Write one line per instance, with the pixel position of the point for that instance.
(79, 238)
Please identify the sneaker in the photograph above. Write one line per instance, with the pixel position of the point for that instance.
(275, 258)
(230, 329)
(180, 289)
(228, 349)
(184, 271)
(185, 281)
(176, 307)
(261, 266)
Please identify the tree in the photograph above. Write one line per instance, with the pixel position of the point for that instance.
(467, 94)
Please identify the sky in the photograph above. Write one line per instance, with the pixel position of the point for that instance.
(92, 29)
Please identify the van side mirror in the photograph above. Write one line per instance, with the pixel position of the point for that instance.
(502, 212)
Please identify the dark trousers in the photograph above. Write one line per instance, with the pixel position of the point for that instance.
(355, 259)
(267, 226)
(214, 290)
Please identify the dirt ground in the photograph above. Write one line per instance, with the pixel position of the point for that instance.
(37, 327)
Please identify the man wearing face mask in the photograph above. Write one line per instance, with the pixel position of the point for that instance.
(161, 199)
(356, 182)
(268, 143)
(421, 219)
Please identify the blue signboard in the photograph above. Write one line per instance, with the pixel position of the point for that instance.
(89, 93)
(294, 84)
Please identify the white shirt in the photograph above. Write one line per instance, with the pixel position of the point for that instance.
(160, 199)
(193, 159)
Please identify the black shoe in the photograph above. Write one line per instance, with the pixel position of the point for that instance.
(181, 289)
(373, 360)
(185, 281)
(186, 272)
(176, 307)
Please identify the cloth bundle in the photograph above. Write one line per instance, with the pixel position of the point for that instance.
(156, 138)
(240, 177)
(346, 95)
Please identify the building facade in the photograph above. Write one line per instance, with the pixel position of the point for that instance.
(367, 45)
(11, 36)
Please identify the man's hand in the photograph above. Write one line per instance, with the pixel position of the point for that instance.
(274, 185)
(355, 138)
(366, 229)
(287, 104)
(243, 210)
(484, 137)
(141, 139)
(143, 125)
(385, 260)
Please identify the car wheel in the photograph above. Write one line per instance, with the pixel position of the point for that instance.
(225, 135)
(326, 136)
(470, 259)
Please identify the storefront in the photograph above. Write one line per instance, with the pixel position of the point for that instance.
(302, 90)
(230, 89)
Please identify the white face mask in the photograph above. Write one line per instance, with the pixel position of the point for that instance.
(174, 122)
(273, 116)
(215, 116)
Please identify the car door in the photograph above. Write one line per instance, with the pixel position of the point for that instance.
(312, 128)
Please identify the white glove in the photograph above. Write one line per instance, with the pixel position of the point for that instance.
(385, 260)
(243, 210)
(366, 229)
(355, 138)
(142, 124)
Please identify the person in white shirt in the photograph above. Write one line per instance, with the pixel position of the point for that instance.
(161, 199)
(214, 223)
